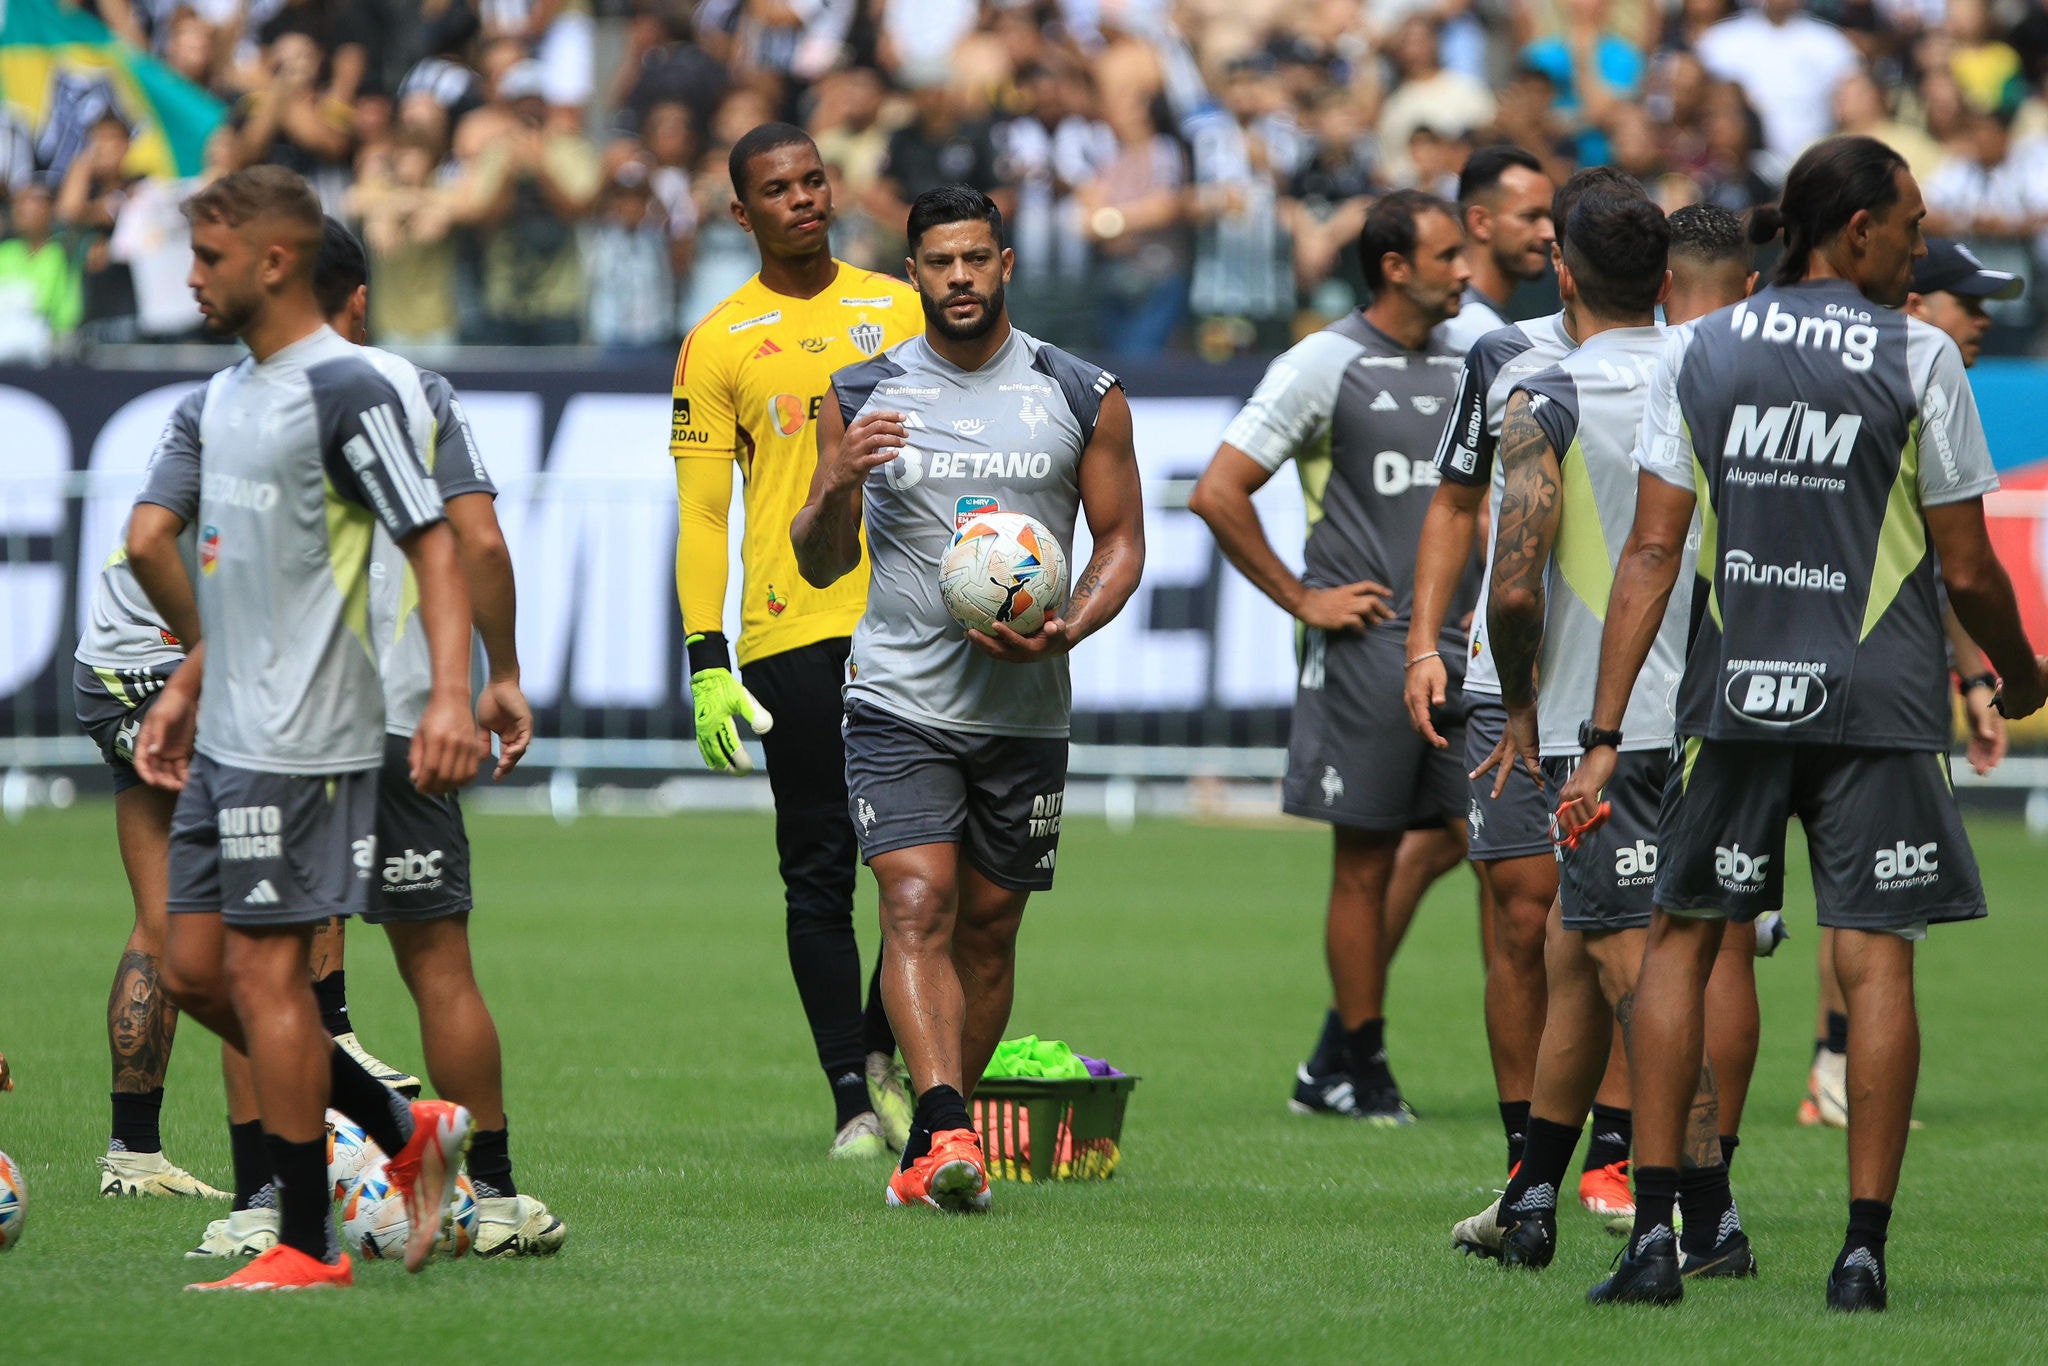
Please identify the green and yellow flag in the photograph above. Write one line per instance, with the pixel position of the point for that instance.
(47, 48)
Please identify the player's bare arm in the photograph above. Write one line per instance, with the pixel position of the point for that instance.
(1980, 592)
(1980, 696)
(1650, 566)
(493, 599)
(1113, 499)
(1529, 508)
(163, 748)
(1450, 529)
(1223, 499)
(447, 747)
(826, 531)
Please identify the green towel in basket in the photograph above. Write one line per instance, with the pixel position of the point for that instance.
(1032, 1056)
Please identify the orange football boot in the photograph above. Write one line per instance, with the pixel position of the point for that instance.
(423, 1172)
(952, 1176)
(285, 1268)
(1604, 1190)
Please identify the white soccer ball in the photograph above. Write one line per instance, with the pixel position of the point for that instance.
(373, 1223)
(1003, 567)
(13, 1203)
(349, 1150)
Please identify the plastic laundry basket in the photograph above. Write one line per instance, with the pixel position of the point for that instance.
(1034, 1129)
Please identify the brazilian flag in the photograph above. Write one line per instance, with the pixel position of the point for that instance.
(61, 69)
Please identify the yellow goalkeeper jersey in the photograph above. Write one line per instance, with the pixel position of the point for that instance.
(749, 382)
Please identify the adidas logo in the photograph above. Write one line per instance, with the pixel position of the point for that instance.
(1046, 862)
(262, 894)
(1386, 403)
(767, 348)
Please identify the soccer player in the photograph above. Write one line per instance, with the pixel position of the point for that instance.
(750, 387)
(1832, 450)
(956, 741)
(1359, 406)
(1950, 287)
(302, 456)
(1504, 206)
(1570, 491)
(1508, 833)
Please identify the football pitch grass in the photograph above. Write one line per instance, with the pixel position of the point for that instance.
(665, 1102)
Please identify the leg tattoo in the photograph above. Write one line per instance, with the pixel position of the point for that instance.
(140, 1023)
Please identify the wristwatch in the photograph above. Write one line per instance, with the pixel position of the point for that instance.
(1592, 737)
(1987, 679)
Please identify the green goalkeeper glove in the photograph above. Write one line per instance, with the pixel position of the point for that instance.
(719, 698)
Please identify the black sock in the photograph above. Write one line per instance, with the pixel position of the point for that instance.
(1709, 1208)
(1729, 1143)
(384, 1114)
(1869, 1225)
(1514, 1122)
(1656, 1195)
(1837, 1039)
(252, 1165)
(1365, 1056)
(135, 1121)
(331, 992)
(1546, 1157)
(849, 1092)
(1613, 1132)
(1329, 1054)
(938, 1110)
(304, 1202)
(490, 1163)
(876, 1032)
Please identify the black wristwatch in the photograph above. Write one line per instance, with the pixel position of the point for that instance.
(1592, 737)
(1987, 679)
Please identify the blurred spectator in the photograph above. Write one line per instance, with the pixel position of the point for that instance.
(938, 147)
(96, 185)
(1593, 70)
(1788, 63)
(626, 261)
(153, 239)
(725, 257)
(847, 124)
(1861, 108)
(408, 219)
(1132, 211)
(1734, 170)
(40, 300)
(663, 62)
(531, 187)
(671, 146)
(1987, 69)
(1991, 191)
(562, 38)
(291, 119)
(918, 38)
(1048, 152)
(1447, 103)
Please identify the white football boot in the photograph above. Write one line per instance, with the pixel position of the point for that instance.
(404, 1083)
(1480, 1235)
(891, 1098)
(245, 1233)
(860, 1137)
(126, 1173)
(1827, 1091)
(517, 1226)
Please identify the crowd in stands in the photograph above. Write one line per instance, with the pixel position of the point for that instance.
(1186, 175)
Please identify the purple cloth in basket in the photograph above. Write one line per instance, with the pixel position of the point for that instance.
(1097, 1067)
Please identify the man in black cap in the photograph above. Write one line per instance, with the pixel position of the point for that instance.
(1950, 287)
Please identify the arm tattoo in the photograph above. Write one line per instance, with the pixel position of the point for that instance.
(140, 1024)
(1523, 540)
(1084, 588)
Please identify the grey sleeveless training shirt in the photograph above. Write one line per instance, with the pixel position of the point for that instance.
(1008, 435)
(1590, 405)
(1815, 426)
(124, 630)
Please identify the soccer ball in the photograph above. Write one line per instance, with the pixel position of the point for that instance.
(13, 1203)
(349, 1150)
(1003, 566)
(373, 1224)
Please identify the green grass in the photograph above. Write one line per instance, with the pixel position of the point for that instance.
(666, 1104)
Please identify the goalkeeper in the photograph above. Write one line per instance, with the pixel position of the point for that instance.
(748, 384)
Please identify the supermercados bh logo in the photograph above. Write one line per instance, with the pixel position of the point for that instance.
(1776, 692)
(1849, 332)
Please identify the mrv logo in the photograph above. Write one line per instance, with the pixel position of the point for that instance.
(1846, 331)
(1778, 695)
(1791, 434)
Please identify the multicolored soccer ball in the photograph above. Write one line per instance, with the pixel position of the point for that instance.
(1003, 567)
(13, 1203)
(349, 1150)
(373, 1224)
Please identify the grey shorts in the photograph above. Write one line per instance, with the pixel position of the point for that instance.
(1517, 823)
(1352, 757)
(1883, 834)
(422, 846)
(272, 848)
(998, 797)
(111, 704)
(1609, 882)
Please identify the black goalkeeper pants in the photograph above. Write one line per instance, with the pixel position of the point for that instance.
(819, 854)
